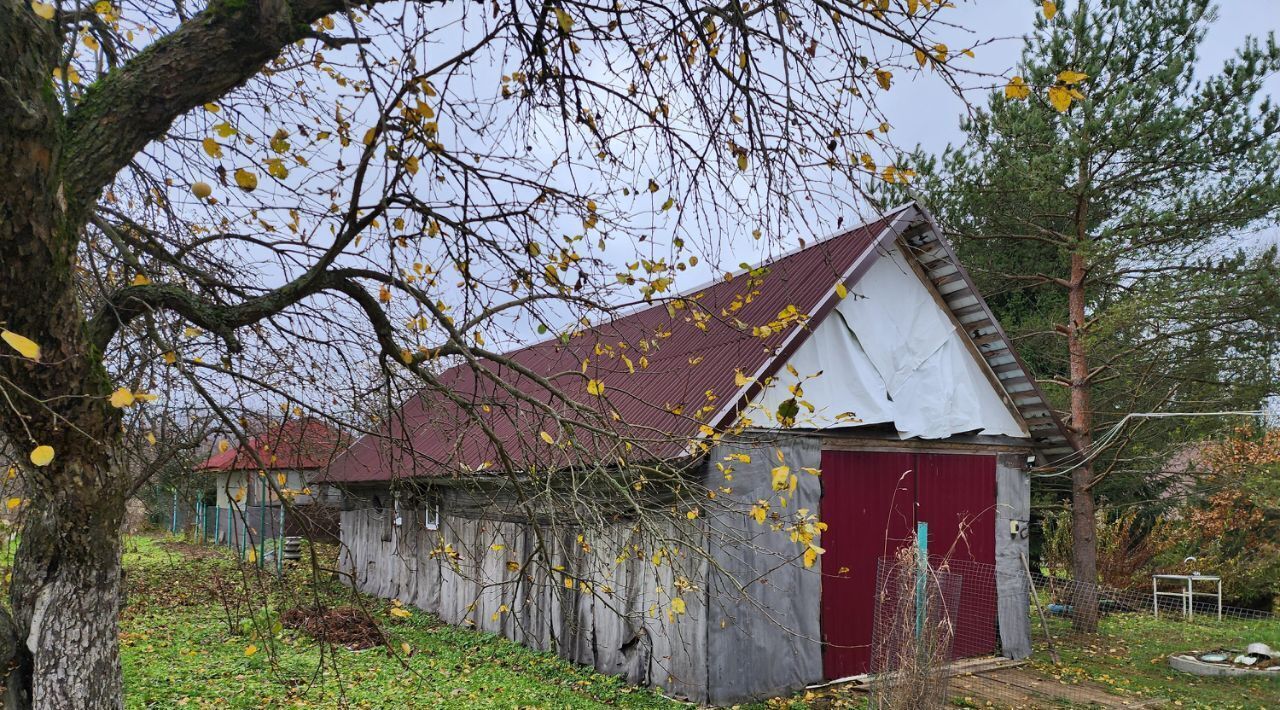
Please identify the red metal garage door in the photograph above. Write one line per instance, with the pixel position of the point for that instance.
(871, 502)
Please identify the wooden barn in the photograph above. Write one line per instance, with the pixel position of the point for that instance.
(243, 509)
(860, 381)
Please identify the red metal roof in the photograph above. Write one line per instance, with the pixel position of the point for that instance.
(684, 357)
(296, 444)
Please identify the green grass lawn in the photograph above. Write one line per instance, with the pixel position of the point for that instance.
(182, 647)
(1130, 656)
(194, 614)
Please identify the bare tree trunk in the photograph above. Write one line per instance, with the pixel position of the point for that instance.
(1084, 538)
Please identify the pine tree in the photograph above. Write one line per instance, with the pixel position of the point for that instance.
(1101, 197)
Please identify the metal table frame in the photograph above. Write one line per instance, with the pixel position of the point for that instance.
(1187, 594)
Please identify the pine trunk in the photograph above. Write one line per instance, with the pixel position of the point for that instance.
(1084, 537)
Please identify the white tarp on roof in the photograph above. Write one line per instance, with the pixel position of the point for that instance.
(889, 353)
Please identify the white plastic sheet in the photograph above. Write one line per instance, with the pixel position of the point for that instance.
(889, 353)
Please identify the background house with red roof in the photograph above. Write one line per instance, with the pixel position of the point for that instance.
(249, 479)
(697, 495)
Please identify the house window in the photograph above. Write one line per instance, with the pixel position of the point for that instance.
(431, 513)
(381, 510)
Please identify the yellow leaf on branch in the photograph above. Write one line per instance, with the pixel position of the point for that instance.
(42, 455)
(24, 345)
(212, 147)
(1069, 77)
(121, 398)
(564, 20)
(811, 555)
(780, 477)
(1060, 98)
(246, 180)
(595, 387)
(1017, 89)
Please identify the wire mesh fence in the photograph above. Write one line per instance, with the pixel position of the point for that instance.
(913, 632)
(964, 633)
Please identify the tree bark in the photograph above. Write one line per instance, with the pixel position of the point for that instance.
(61, 629)
(1084, 537)
(66, 597)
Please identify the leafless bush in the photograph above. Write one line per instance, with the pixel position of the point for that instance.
(913, 632)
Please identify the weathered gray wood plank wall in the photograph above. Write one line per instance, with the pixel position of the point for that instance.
(610, 608)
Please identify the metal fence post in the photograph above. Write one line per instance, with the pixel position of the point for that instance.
(922, 571)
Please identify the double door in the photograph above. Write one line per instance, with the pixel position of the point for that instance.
(871, 503)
